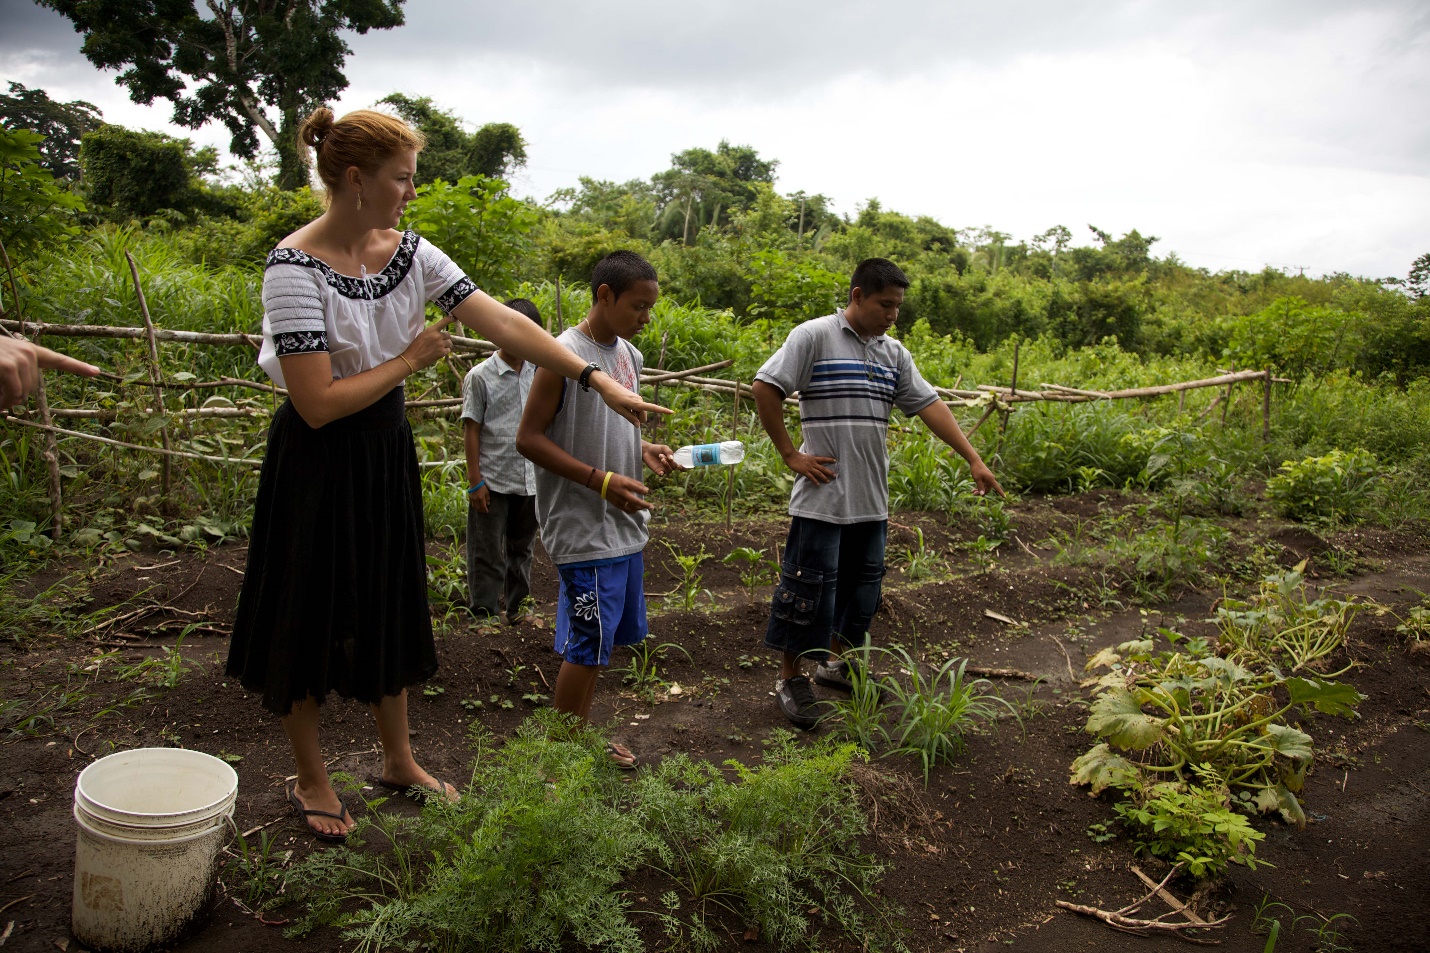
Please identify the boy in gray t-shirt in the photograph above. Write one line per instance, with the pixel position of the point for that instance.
(589, 498)
(501, 483)
(850, 375)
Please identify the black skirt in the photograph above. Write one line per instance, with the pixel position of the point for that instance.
(335, 594)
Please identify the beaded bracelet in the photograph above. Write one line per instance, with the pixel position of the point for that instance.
(589, 477)
(473, 489)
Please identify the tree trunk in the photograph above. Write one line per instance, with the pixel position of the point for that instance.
(292, 155)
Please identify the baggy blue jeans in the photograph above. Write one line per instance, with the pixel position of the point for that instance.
(831, 582)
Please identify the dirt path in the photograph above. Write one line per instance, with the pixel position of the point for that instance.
(977, 858)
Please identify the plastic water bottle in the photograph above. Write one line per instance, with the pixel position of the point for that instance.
(710, 454)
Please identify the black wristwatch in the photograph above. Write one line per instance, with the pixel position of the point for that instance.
(585, 379)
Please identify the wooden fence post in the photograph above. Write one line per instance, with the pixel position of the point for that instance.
(1266, 409)
(560, 323)
(730, 470)
(1227, 401)
(154, 374)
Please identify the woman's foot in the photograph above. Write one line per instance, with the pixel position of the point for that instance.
(323, 811)
(411, 778)
(621, 756)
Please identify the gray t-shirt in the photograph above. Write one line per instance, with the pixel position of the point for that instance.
(847, 387)
(494, 396)
(577, 526)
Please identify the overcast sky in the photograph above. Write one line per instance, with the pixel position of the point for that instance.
(1292, 133)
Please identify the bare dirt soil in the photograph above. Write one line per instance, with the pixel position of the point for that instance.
(977, 858)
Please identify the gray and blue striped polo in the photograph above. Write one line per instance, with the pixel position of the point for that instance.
(847, 387)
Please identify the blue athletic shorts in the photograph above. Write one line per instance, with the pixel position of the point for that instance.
(598, 607)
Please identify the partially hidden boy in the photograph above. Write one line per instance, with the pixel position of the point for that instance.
(501, 483)
(849, 375)
(590, 500)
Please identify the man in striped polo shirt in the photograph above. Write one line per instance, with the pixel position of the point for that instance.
(849, 374)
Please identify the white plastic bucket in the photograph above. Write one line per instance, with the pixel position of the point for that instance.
(152, 824)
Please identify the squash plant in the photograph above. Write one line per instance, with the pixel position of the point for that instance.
(1183, 712)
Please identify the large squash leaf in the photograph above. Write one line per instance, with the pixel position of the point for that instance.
(1333, 698)
(1104, 768)
(1118, 717)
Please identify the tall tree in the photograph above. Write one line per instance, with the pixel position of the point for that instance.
(709, 185)
(62, 125)
(452, 152)
(254, 65)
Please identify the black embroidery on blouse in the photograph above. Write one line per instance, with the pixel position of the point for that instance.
(455, 295)
(300, 342)
(349, 287)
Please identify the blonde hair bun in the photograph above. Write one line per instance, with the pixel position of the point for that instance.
(363, 138)
(316, 127)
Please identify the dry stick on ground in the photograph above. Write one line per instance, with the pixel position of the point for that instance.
(1161, 891)
(155, 374)
(1122, 919)
(1059, 644)
(982, 672)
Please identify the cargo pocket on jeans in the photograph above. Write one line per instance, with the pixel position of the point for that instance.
(797, 595)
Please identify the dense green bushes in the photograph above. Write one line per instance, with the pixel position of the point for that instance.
(534, 854)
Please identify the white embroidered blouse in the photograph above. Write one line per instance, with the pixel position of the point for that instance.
(361, 322)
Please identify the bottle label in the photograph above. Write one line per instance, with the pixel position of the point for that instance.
(706, 455)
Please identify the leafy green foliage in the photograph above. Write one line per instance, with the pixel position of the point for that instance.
(755, 568)
(534, 854)
(34, 211)
(792, 289)
(1186, 716)
(642, 674)
(925, 475)
(135, 173)
(687, 587)
(494, 151)
(775, 846)
(1330, 487)
(477, 223)
(1283, 623)
(62, 125)
(1195, 827)
(935, 710)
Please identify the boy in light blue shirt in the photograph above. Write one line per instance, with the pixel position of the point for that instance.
(501, 515)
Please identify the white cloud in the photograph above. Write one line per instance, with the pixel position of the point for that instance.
(1280, 133)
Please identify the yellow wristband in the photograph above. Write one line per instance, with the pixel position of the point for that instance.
(605, 483)
(410, 368)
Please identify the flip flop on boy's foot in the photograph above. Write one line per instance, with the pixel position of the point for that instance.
(418, 792)
(306, 812)
(621, 756)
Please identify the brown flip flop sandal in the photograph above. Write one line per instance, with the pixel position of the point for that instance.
(304, 813)
(618, 755)
(415, 792)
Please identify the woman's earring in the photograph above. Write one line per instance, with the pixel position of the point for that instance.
(359, 202)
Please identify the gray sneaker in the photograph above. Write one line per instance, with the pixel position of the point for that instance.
(836, 673)
(796, 699)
